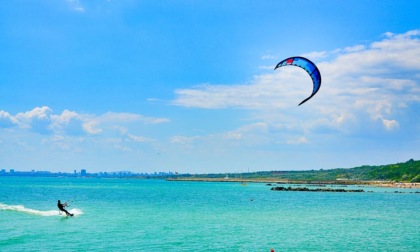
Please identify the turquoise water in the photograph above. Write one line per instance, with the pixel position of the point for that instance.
(157, 215)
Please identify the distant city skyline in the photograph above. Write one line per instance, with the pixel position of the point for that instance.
(83, 173)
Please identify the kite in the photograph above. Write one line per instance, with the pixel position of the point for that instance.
(309, 67)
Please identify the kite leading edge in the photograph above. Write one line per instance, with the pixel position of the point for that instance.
(309, 67)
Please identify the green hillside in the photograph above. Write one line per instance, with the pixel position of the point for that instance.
(399, 172)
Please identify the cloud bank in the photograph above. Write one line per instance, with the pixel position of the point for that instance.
(43, 120)
(362, 84)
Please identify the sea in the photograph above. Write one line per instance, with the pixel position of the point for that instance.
(158, 215)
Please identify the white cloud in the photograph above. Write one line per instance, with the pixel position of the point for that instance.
(315, 55)
(123, 148)
(270, 67)
(76, 5)
(42, 120)
(75, 133)
(7, 120)
(37, 120)
(41, 113)
(243, 131)
(130, 117)
(268, 57)
(390, 124)
(65, 117)
(121, 129)
(356, 48)
(139, 139)
(265, 91)
(91, 127)
(69, 122)
(183, 139)
(300, 140)
(58, 142)
(111, 120)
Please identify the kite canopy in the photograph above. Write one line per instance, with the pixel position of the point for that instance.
(309, 67)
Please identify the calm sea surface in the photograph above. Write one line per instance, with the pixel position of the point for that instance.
(157, 215)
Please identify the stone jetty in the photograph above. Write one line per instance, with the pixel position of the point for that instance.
(305, 189)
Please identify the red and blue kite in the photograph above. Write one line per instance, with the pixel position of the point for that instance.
(309, 67)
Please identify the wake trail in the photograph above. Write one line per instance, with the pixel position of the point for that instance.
(23, 209)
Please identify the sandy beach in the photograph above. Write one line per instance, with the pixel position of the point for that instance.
(397, 185)
(273, 180)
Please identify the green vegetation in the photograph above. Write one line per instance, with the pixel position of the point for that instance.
(400, 172)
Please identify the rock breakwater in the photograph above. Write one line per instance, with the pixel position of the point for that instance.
(305, 189)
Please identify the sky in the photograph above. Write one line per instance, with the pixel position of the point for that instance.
(190, 86)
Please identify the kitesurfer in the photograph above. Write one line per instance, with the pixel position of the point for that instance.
(62, 206)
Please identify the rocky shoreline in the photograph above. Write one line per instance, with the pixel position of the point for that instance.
(317, 183)
(305, 189)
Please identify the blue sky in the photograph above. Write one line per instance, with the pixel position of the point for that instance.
(189, 86)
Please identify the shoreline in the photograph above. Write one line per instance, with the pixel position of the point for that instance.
(280, 181)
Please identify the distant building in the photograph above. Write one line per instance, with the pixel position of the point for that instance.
(83, 172)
